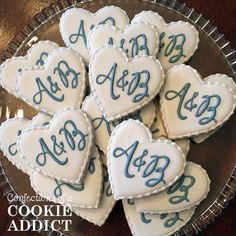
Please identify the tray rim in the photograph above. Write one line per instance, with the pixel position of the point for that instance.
(32, 25)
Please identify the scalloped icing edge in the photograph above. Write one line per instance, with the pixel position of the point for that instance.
(199, 78)
(89, 13)
(188, 145)
(194, 204)
(98, 195)
(26, 57)
(170, 233)
(153, 114)
(173, 23)
(138, 107)
(38, 68)
(100, 223)
(121, 32)
(47, 127)
(151, 140)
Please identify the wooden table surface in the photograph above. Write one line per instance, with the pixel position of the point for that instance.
(222, 13)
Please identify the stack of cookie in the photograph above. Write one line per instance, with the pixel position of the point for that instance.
(125, 132)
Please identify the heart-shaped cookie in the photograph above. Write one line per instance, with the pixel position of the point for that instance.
(188, 191)
(155, 224)
(10, 130)
(139, 165)
(36, 56)
(99, 215)
(61, 149)
(103, 128)
(59, 84)
(85, 194)
(135, 39)
(121, 85)
(158, 130)
(178, 40)
(220, 78)
(190, 106)
(76, 23)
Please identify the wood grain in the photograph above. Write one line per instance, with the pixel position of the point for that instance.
(15, 13)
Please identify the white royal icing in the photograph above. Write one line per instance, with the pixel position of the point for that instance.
(76, 23)
(9, 131)
(155, 224)
(190, 106)
(135, 39)
(158, 130)
(188, 191)
(86, 194)
(178, 40)
(138, 165)
(36, 56)
(59, 84)
(103, 128)
(220, 78)
(61, 149)
(121, 85)
(99, 215)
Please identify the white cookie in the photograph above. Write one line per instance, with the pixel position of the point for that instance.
(99, 215)
(178, 40)
(59, 84)
(158, 130)
(190, 106)
(76, 23)
(84, 195)
(103, 128)
(136, 39)
(188, 191)
(138, 165)
(220, 78)
(36, 56)
(61, 149)
(121, 85)
(10, 130)
(155, 224)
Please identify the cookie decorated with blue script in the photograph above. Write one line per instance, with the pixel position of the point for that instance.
(61, 149)
(191, 106)
(85, 194)
(139, 165)
(10, 130)
(99, 215)
(104, 128)
(36, 56)
(136, 39)
(158, 130)
(188, 191)
(219, 78)
(76, 23)
(178, 40)
(155, 224)
(121, 85)
(58, 84)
